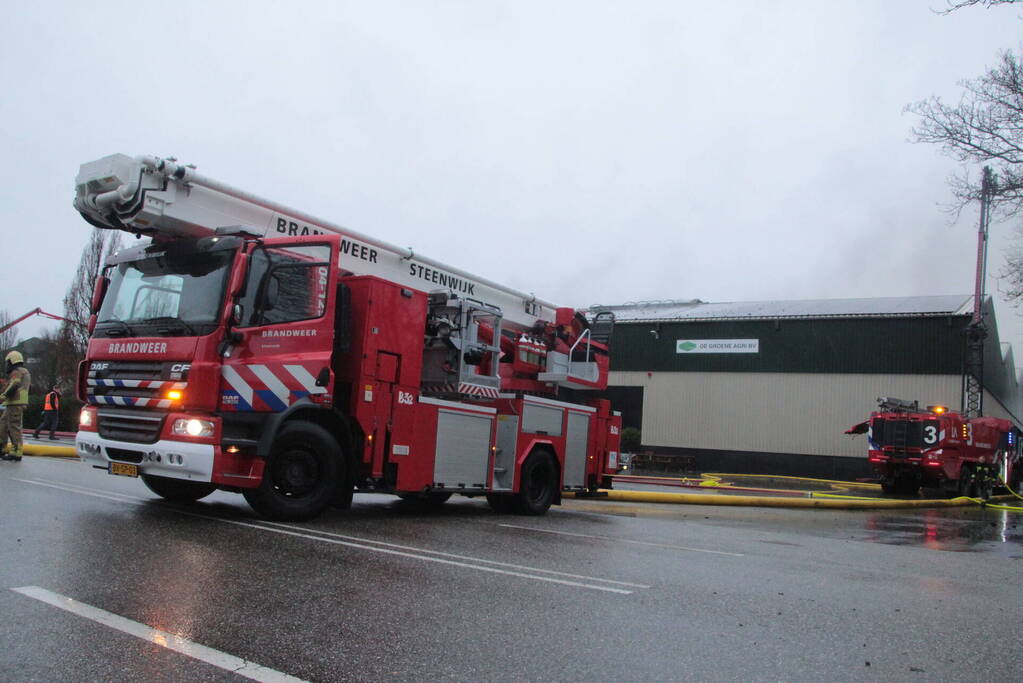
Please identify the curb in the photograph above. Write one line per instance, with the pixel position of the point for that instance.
(50, 451)
(765, 501)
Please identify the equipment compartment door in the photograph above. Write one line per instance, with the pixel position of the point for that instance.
(463, 449)
(504, 459)
(577, 445)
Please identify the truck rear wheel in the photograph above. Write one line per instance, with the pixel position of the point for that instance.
(302, 474)
(538, 484)
(178, 490)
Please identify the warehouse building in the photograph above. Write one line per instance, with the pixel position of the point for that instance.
(770, 387)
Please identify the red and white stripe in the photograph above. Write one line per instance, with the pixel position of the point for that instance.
(281, 380)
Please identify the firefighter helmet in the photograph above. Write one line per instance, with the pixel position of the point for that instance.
(14, 357)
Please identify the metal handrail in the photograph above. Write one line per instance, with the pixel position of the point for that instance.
(589, 346)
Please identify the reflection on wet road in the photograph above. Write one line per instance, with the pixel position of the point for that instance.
(969, 530)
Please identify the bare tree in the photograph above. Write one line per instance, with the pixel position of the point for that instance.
(7, 337)
(953, 5)
(984, 127)
(73, 336)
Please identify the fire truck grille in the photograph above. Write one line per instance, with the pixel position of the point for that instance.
(136, 426)
(113, 370)
(135, 384)
(898, 436)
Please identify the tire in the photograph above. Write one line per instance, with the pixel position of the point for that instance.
(909, 486)
(501, 503)
(178, 490)
(302, 475)
(538, 484)
(965, 485)
(889, 486)
(1015, 481)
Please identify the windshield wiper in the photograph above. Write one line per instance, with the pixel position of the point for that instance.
(117, 331)
(170, 319)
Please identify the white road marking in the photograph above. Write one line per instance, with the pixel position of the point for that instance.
(621, 540)
(459, 557)
(85, 492)
(219, 659)
(424, 554)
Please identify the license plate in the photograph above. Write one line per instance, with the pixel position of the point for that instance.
(124, 469)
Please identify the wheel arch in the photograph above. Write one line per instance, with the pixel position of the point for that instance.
(344, 430)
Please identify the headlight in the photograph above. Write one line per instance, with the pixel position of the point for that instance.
(193, 427)
(85, 418)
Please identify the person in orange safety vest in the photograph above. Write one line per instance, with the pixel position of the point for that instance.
(51, 413)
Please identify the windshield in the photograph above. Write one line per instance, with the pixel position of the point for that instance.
(173, 292)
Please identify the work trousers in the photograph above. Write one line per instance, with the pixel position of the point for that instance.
(10, 426)
(49, 422)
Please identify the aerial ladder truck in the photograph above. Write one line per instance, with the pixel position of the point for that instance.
(251, 347)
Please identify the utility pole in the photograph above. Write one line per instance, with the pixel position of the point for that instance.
(976, 331)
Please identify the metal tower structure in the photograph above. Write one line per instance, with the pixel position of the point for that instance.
(976, 331)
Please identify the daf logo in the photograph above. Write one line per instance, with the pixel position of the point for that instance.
(99, 366)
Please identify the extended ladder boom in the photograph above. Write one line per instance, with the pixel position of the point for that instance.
(163, 199)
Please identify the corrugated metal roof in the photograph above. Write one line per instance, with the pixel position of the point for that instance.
(894, 306)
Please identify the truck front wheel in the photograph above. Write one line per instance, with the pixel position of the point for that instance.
(302, 474)
(178, 490)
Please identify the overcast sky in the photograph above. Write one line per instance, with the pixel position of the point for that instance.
(589, 152)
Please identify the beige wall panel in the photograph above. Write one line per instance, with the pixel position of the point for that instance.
(774, 412)
(993, 408)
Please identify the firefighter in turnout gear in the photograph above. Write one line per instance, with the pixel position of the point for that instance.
(15, 397)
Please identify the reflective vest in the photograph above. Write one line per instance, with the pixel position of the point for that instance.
(18, 384)
(52, 401)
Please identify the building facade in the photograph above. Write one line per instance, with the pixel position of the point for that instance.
(770, 387)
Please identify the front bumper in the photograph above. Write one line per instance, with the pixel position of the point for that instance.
(165, 458)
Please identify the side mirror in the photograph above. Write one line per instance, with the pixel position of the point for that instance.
(98, 292)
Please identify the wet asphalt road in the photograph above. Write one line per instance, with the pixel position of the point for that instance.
(592, 591)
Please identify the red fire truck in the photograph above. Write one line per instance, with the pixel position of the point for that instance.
(251, 347)
(936, 448)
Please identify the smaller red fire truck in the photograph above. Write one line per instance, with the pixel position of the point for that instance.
(936, 448)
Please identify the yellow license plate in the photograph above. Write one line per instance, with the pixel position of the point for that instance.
(124, 469)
